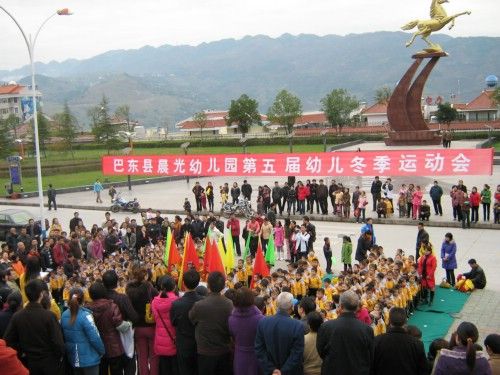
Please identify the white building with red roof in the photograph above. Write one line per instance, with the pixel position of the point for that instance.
(375, 115)
(16, 100)
(215, 124)
(482, 108)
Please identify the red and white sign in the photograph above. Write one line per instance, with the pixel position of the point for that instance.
(370, 163)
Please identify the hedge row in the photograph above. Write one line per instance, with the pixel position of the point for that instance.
(234, 142)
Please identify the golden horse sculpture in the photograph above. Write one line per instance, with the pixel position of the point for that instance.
(439, 19)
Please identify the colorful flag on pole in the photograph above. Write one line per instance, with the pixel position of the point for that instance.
(174, 256)
(190, 256)
(216, 263)
(246, 253)
(229, 261)
(259, 265)
(271, 251)
(166, 254)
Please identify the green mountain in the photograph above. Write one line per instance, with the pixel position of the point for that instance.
(166, 84)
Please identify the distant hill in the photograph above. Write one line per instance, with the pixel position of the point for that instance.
(166, 84)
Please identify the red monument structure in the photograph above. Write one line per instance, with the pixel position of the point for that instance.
(404, 111)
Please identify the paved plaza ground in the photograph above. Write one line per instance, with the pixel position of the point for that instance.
(483, 244)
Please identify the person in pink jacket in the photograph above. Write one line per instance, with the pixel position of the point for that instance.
(279, 239)
(97, 248)
(417, 202)
(164, 343)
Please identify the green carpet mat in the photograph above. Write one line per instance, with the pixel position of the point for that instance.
(435, 321)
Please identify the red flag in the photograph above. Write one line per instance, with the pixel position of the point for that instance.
(215, 261)
(207, 255)
(259, 265)
(190, 254)
(174, 256)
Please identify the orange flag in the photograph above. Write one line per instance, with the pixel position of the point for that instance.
(259, 265)
(215, 262)
(207, 255)
(189, 256)
(174, 256)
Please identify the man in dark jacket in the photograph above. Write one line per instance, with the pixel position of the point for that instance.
(397, 352)
(35, 332)
(476, 275)
(422, 239)
(376, 191)
(346, 344)
(197, 228)
(184, 329)
(110, 281)
(436, 193)
(279, 342)
(246, 190)
(51, 195)
(276, 194)
(322, 196)
(364, 244)
(284, 193)
(11, 239)
(210, 317)
(73, 223)
(197, 191)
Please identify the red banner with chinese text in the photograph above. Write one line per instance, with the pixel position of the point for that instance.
(367, 163)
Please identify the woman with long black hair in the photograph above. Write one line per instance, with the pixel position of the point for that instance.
(463, 359)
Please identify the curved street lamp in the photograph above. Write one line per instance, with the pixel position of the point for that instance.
(30, 44)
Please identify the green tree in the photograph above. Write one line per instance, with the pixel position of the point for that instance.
(104, 132)
(383, 94)
(12, 122)
(285, 110)
(338, 106)
(200, 119)
(446, 114)
(123, 112)
(5, 139)
(244, 111)
(496, 96)
(67, 128)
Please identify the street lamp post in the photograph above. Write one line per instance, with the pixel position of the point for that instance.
(184, 148)
(30, 44)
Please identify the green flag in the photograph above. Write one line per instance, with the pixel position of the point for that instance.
(271, 251)
(247, 248)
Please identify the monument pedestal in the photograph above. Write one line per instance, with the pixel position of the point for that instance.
(404, 110)
(413, 138)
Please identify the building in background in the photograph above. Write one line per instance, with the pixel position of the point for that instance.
(16, 100)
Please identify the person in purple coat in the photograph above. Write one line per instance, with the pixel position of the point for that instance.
(463, 359)
(243, 328)
(449, 258)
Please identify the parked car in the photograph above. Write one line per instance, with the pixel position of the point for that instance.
(13, 218)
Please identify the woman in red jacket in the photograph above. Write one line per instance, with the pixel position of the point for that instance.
(302, 194)
(426, 268)
(475, 200)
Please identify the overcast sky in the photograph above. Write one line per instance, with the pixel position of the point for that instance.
(101, 25)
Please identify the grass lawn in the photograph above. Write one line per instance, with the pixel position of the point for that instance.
(496, 145)
(70, 180)
(88, 178)
(93, 155)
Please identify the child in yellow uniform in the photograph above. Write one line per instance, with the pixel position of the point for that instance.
(249, 270)
(314, 282)
(270, 306)
(299, 289)
(241, 275)
(329, 289)
(320, 299)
